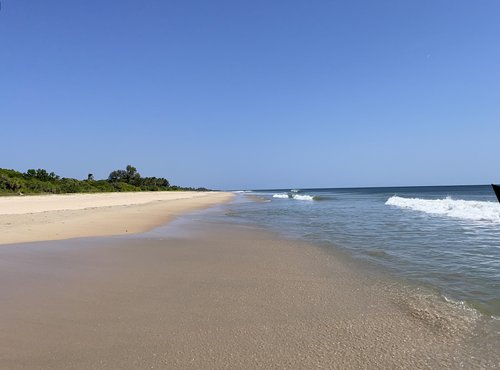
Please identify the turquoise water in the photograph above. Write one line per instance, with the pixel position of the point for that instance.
(446, 237)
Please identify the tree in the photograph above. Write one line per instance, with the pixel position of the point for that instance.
(12, 184)
(41, 181)
(41, 175)
(131, 171)
(133, 177)
(117, 176)
(31, 173)
(129, 175)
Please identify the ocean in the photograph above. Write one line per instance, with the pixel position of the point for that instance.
(443, 237)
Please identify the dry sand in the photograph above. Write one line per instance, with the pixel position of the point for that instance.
(54, 217)
(223, 297)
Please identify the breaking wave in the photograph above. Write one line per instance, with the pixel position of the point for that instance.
(294, 196)
(456, 208)
(302, 197)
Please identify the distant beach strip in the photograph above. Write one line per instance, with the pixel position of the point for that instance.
(55, 217)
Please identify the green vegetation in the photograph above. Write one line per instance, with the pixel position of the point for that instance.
(42, 182)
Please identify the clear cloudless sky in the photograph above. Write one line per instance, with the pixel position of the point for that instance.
(253, 94)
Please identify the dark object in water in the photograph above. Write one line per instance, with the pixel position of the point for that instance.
(496, 188)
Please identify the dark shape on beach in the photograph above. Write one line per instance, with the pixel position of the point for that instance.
(496, 188)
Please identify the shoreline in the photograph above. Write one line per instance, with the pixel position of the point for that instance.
(219, 296)
(57, 217)
(203, 293)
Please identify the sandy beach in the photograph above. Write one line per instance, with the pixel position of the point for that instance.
(54, 217)
(214, 296)
(222, 297)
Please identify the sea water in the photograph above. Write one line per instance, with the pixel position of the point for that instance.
(447, 237)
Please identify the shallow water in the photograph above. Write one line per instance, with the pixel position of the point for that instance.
(444, 237)
(474, 335)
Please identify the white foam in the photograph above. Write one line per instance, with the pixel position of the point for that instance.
(242, 191)
(295, 190)
(293, 196)
(456, 208)
(302, 197)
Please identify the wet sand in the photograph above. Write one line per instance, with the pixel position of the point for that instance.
(220, 297)
(56, 217)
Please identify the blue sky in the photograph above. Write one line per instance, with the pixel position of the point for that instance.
(253, 94)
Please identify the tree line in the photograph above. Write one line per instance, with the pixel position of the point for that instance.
(41, 181)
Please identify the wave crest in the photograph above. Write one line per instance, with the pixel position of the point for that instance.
(294, 196)
(302, 197)
(455, 208)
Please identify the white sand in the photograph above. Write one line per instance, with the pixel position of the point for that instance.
(43, 203)
(52, 217)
